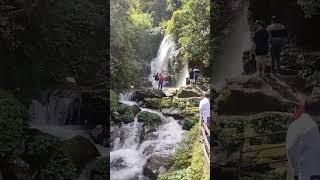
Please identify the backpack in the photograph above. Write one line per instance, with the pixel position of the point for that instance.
(156, 77)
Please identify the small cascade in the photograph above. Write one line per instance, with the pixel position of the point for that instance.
(56, 109)
(127, 96)
(129, 155)
(163, 63)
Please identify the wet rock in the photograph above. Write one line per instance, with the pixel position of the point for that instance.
(19, 169)
(152, 103)
(80, 150)
(251, 95)
(149, 118)
(148, 93)
(127, 113)
(98, 134)
(186, 93)
(118, 164)
(174, 112)
(155, 165)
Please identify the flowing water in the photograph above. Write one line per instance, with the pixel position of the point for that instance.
(228, 63)
(129, 155)
(162, 63)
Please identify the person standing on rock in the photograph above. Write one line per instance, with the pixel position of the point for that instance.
(277, 39)
(261, 47)
(303, 141)
(191, 75)
(161, 79)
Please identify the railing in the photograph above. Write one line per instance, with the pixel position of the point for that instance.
(204, 133)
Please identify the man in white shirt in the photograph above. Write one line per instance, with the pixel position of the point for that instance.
(303, 142)
(204, 108)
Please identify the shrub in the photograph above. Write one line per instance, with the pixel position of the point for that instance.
(114, 101)
(13, 120)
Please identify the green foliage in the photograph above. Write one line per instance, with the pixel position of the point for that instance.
(60, 166)
(13, 120)
(310, 7)
(38, 148)
(199, 167)
(190, 27)
(102, 164)
(190, 121)
(183, 174)
(133, 41)
(114, 101)
(127, 113)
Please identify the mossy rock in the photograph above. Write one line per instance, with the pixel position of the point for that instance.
(99, 171)
(127, 113)
(80, 150)
(152, 103)
(149, 118)
(166, 102)
(14, 119)
(38, 147)
(186, 93)
(251, 101)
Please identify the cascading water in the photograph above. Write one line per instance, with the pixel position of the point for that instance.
(166, 53)
(229, 62)
(129, 155)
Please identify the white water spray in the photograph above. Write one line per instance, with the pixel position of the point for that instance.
(160, 64)
(129, 155)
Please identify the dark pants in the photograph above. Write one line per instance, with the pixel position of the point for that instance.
(160, 85)
(275, 53)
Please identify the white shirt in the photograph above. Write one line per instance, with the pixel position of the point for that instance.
(303, 145)
(204, 108)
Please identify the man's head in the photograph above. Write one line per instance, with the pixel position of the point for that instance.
(275, 19)
(259, 24)
(205, 94)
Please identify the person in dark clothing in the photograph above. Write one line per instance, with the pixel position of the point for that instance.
(191, 75)
(261, 47)
(156, 77)
(196, 72)
(277, 38)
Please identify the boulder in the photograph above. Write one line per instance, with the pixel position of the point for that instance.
(99, 134)
(174, 112)
(151, 121)
(186, 93)
(251, 95)
(80, 150)
(155, 165)
(152, 103)
(148, 93)
(127, 113)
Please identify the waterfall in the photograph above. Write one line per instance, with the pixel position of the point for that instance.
(166, 54)
(229, 62)
(129, 155)
(56, 108)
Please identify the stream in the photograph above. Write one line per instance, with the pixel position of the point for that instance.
(129, 155)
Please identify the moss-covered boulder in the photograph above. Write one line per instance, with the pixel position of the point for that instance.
(152, 103)
(148, 93)
(149, 118)
(236, 99)
(127, 113)
(80, 150)
(38, 147)
(186, 93)
(14, 119)
(100, 169)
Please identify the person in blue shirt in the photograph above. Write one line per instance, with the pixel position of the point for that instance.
(277, 39)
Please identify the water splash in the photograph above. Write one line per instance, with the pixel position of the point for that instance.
(128, 156)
